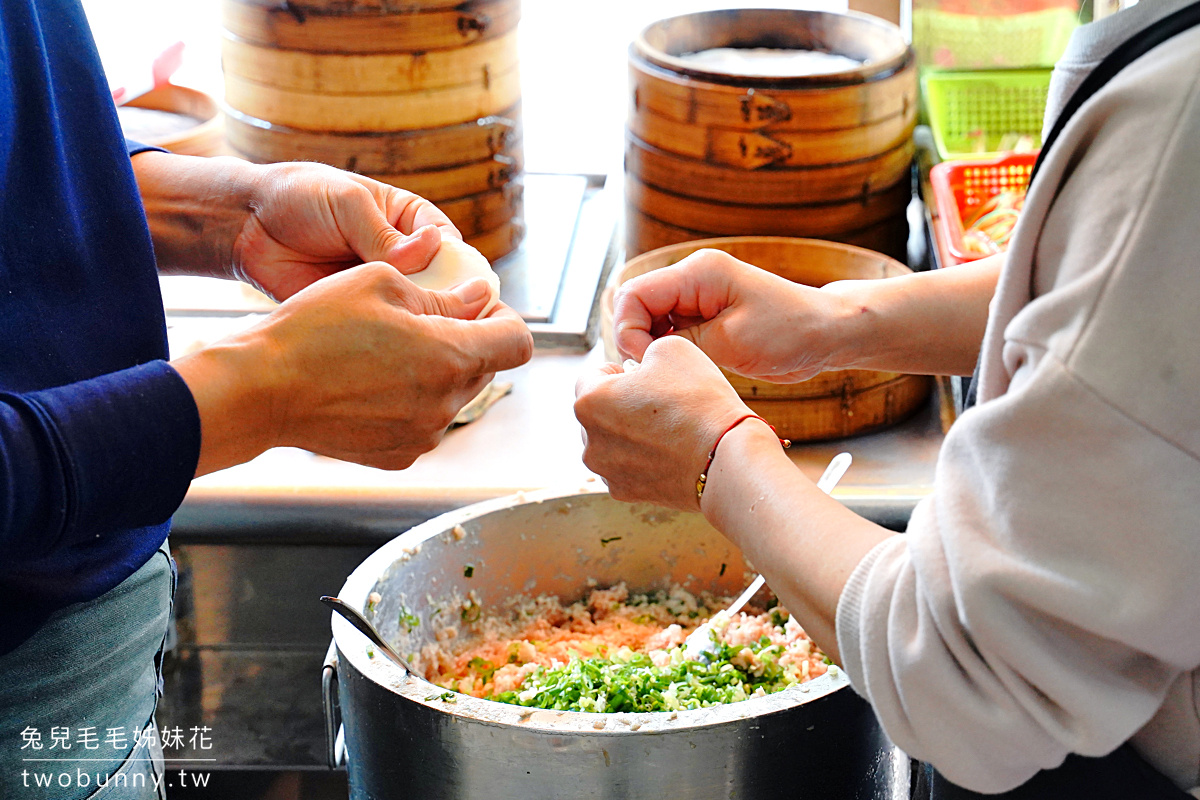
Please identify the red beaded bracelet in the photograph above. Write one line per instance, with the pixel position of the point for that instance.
(703, 479)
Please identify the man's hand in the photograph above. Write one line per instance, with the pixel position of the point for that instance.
(308, 221)
(364, 366)
(648, 433)
(280, 227)
(745, 319)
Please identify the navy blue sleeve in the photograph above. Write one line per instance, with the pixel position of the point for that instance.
(78, 461)
(133, 148)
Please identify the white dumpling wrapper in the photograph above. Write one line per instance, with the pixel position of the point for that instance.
(457, 262)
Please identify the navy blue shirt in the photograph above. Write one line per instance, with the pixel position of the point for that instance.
(99, 436)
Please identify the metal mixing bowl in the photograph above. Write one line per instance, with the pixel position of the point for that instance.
(403, 740)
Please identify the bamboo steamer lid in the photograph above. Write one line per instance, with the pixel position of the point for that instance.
(770, 185)
(832, 404)
(644, 233)
(380, 152)
(350, 113)
(809, 220)
(369, 73)
(291, 27)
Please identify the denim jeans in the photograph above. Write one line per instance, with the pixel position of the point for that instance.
(77, 698)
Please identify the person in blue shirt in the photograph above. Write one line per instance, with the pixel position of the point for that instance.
(100, 434)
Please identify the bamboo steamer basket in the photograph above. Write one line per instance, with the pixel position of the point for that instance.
(476, 177)
(423, 95)
(395, 111)
(290, 27)
(815, 220)
(479, 213)
(753, 150)
(788, 186)
(499, 241)
(378, 152)
(646, 233)
(205, 138)
(370, 73)
(810, 155)
(832, 404)
(359, 6)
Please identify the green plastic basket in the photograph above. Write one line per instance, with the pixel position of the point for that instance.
(946, 40)
(976, 114)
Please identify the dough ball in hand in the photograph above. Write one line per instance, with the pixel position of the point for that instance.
(457, 262)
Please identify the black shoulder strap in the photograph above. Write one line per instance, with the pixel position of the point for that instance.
(1125, 54)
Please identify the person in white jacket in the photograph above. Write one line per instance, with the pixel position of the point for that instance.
(1043, 609)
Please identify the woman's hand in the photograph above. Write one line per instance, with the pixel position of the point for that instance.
(307, 221)
(745, 319)
(648, 432)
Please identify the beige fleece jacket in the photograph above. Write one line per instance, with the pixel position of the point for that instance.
(1046, 598)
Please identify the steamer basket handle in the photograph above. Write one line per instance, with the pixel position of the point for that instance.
(335, 741)
(473, 25)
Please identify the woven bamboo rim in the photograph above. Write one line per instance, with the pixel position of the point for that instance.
(430, 108)
(644, 233)
(500, 241)
(727, 219)
(369, 73)
(205, 138)
(703, 104)
(878, 45)
(454, 182)
(384, 152)
(289, 27)
(769, 185)
(479, 213)
(782, 148)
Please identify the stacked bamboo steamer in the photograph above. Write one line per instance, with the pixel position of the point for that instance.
(827, 156)
(421, 94)
(832, 404)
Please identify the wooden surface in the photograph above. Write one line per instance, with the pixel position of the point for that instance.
(726, 219)
(381, 152)
(428, 108)
(767, 185)
(832, 404)
(369, 73)
(291, 28)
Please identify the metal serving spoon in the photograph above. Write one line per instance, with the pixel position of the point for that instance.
(699, 643)
(355, 618)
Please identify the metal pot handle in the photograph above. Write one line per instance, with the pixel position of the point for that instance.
(335, 734)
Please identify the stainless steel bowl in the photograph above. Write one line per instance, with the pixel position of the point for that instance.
(402, 740)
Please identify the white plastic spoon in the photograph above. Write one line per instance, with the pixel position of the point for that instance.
(699, 643)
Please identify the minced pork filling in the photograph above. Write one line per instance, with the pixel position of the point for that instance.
(615, 651)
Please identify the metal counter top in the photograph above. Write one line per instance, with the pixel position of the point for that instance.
(528, 440)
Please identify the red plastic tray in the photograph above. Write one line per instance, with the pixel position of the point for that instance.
(961, 186)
